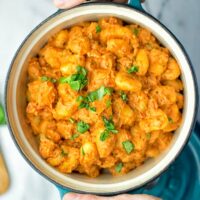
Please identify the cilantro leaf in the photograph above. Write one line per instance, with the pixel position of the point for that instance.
(71, 120)
(93, 96)
(64, 80)
(63, 153)
(128, 146)
(46, 78)
(136, 31)
(133, 69)
(98, 29)
(98, 94)
(170, 120)
(124, 96)
(104, 135)
(76, 81)
(75, 85)
(118, 167)
(109, 124)
(108, 103)
(109, 127)
(81, 70)
(148, 136)
(93, 109)
(82, 151)
(74, 136)
(80, 98)
(82, 127)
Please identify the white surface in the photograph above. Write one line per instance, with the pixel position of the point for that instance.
(18, 18)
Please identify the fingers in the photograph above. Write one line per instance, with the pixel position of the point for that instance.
(67, 3)
(71, 3)
(134, 197)
(73, 196)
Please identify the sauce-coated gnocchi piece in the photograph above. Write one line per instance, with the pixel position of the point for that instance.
(103, 96)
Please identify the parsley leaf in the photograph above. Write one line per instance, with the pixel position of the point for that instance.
(98, 94)
(75, 85)
(108, 103)
(2, 115)
(98, 29)
(82, 151)
(118, 167)
(80, 98)
(170, 120)
(148, 136)
(82, 127)
(136, 31)
(93, 109)
(46, 78)
(109, 125)
(104, 135)
(81, 70)
(64, 80)
(76, 81)
(63, 153)
(128, 146)
(124, 96)
(74, 136)
(93, 96)
(133, 69)
(71, 120)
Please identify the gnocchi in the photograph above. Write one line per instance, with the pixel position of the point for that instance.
(103, 95)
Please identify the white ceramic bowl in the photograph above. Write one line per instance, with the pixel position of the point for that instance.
(16, 99)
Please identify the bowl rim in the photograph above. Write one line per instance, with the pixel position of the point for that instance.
(196, 94)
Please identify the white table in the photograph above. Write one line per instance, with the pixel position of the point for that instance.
(18, 17)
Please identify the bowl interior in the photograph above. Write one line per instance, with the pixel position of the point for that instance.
(16, 99)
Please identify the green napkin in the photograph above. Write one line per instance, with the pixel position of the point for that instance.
(2, 115)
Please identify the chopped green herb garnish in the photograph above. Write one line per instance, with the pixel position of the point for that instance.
(148, 135)
(76, 81)
(46, 78)
(82, 127)
(2, 115)
(109, 125)
(108, 103)
(124, 96)
(74, 136)
(82, 151)
(63, 153)
(170, 120)
(136, 31)
(64, 80)
(98, 29)
(84, 105)
(93, 109)
(149, 46)
(128, 146)
(93, 96)
(76, 85)
(133, 69)
(81, 70)
(104, 135)
(71, 120)
(118, 167)
(80, 98)
(98, 94)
